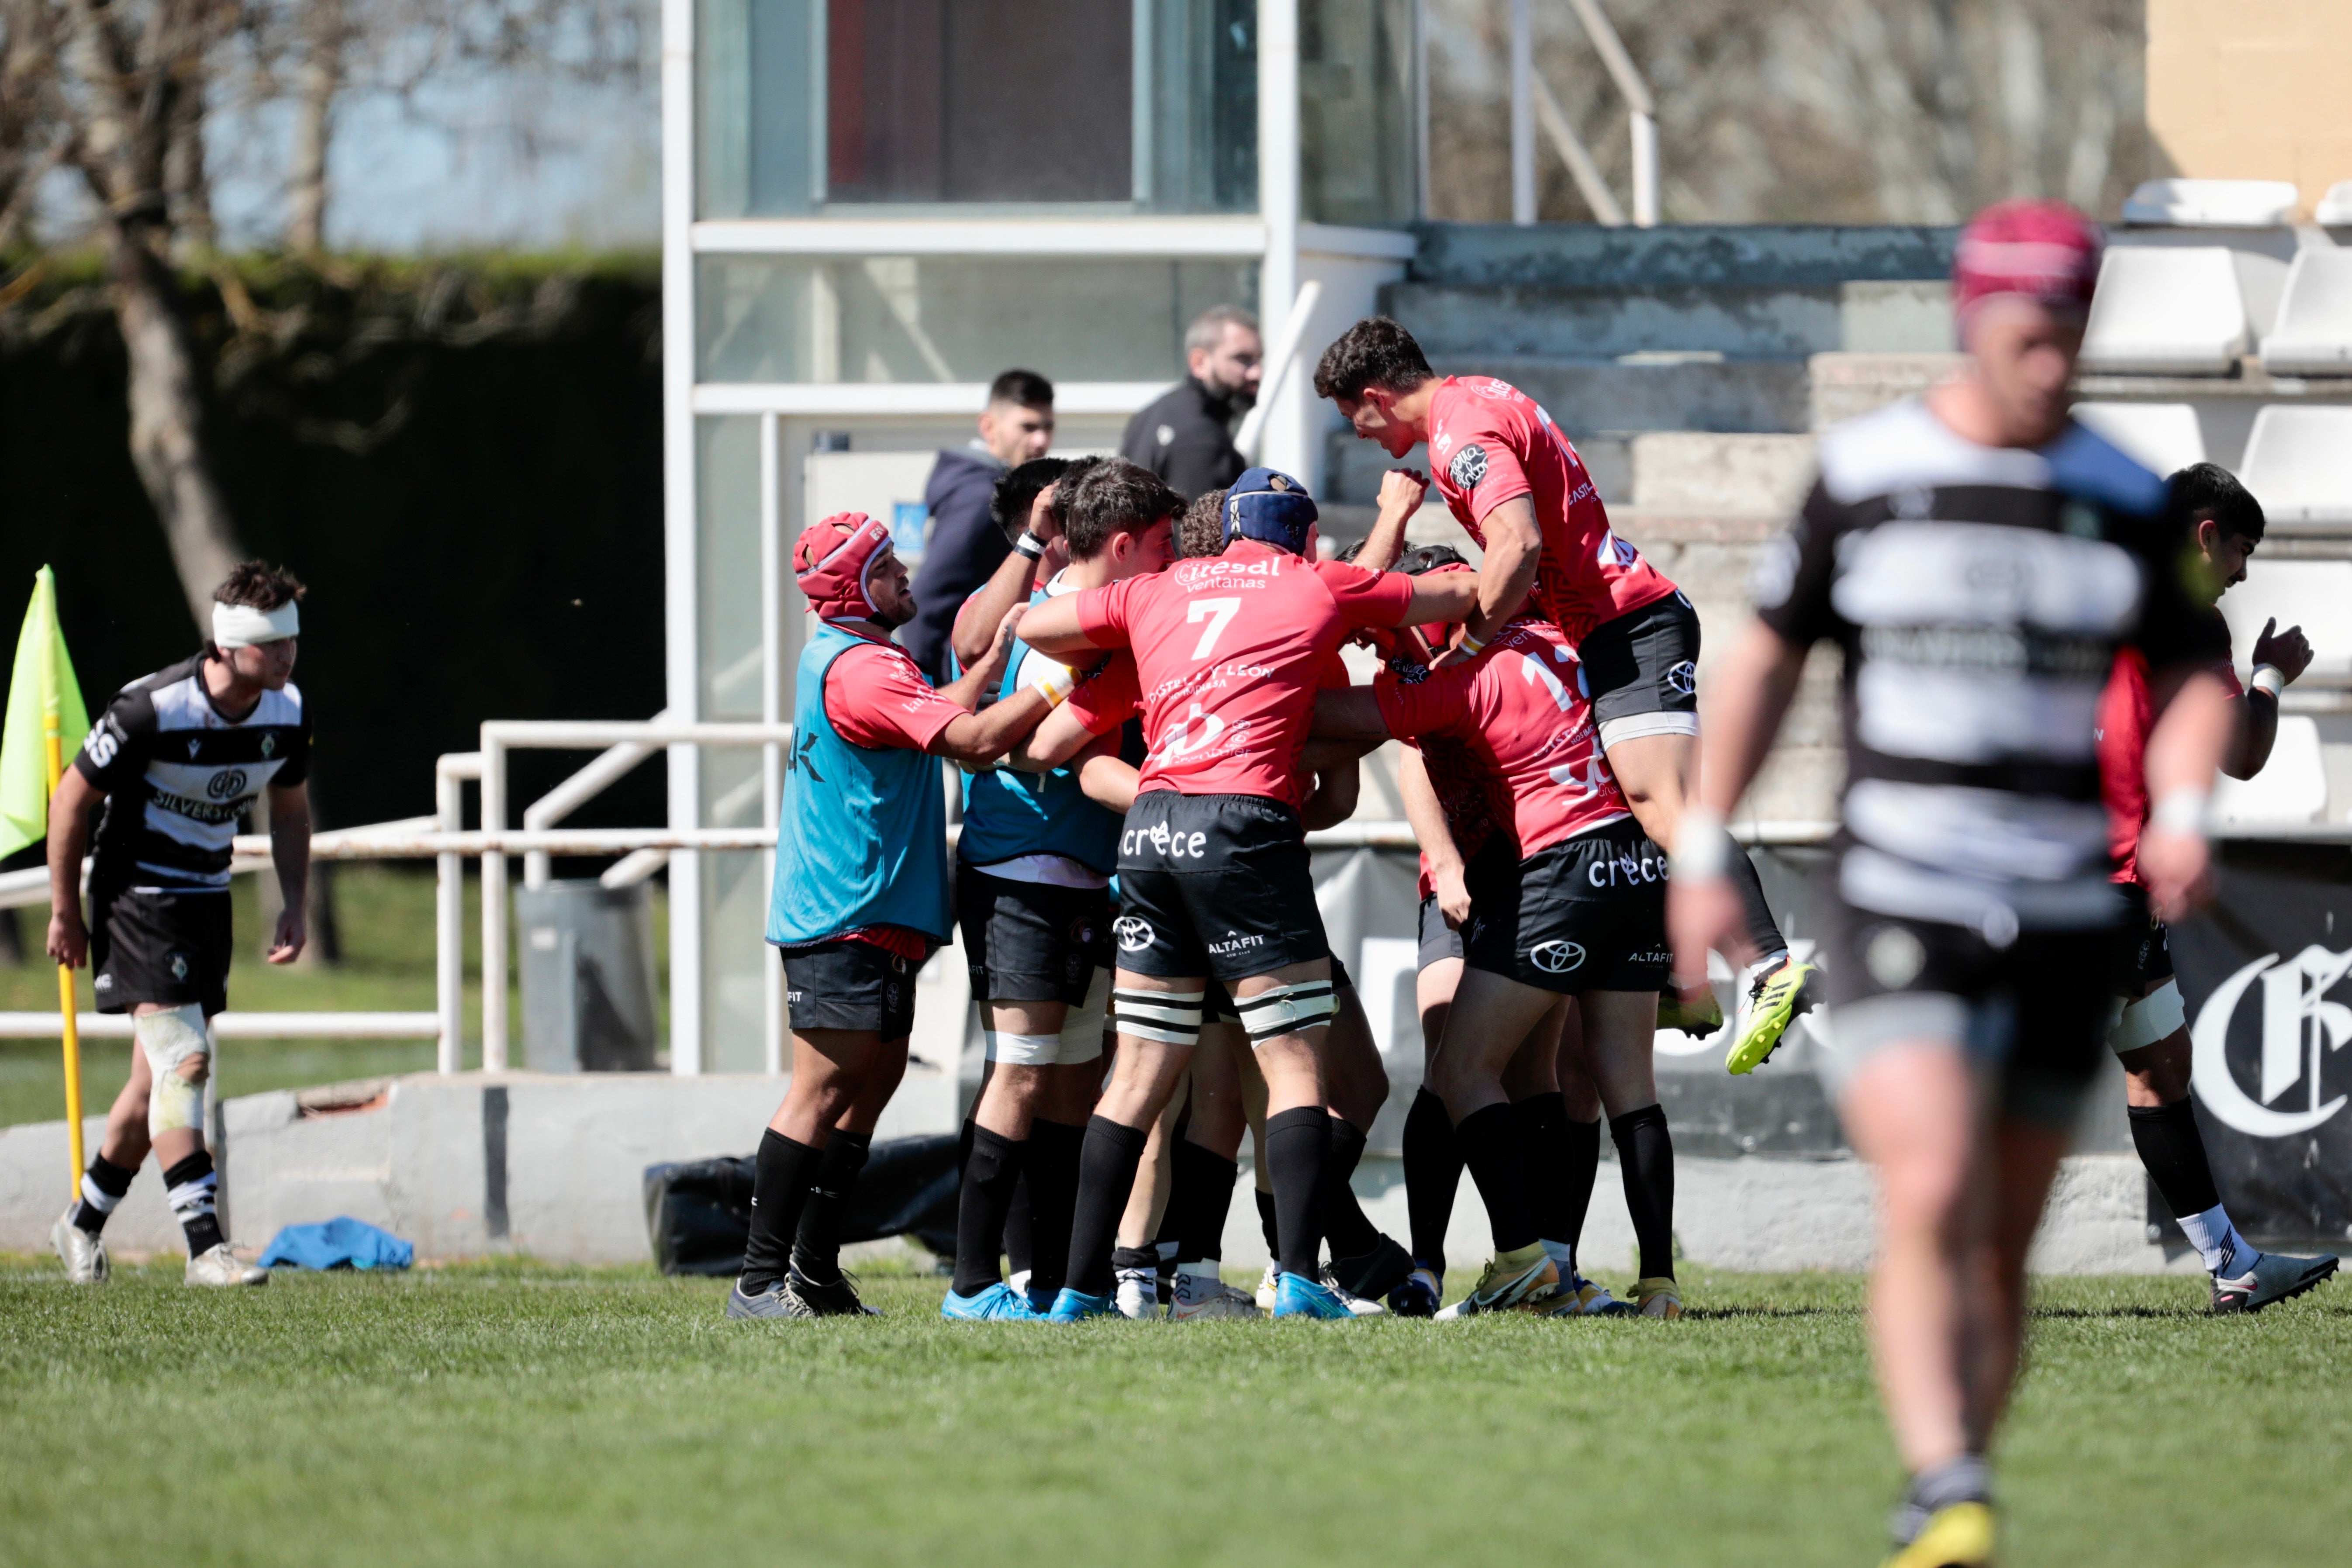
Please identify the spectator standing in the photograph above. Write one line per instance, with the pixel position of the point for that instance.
(1186, 436)
(966, 545)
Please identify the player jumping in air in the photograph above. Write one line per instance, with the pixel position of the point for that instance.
(1981, 559)
(1213, 874)
(177, 758)
(860, 898)
(1518, 487)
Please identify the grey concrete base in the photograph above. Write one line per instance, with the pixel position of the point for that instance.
(36, 1183)
(1774, 1216)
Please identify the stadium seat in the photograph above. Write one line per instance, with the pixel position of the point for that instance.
(2293, 593)
(2335, 208)
(2164, 436)
(2292, 786)
(2212, 203)
(2314, 334)
(2166, 312)
(2295, 464)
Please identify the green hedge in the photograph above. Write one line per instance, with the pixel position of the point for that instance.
(461, 457)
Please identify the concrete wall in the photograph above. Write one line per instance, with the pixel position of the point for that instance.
(2251, 89)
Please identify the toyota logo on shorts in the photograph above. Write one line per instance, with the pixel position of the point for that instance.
(1556, 957)
(1134, 932)
(227, 782)
(1684, 677)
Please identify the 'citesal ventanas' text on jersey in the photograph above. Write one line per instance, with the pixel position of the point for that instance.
(178, 775)
(1981, 595)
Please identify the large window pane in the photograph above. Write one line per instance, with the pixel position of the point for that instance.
(951, 319)
(809, 106)
(1356, 63)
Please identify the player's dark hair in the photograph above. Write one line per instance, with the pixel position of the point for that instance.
(1375, 351)
(259, 585)
(1017, 491)
(1201, 531)
(1114, 498)
(1067, 486)
(1026, 387)
(2209, 490)
(1429, 558)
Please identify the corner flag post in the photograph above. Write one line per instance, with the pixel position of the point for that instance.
(42, 683)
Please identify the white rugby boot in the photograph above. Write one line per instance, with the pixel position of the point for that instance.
(218, 1266)
(83, 1253)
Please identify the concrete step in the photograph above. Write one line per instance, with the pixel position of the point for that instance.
(1736, 321)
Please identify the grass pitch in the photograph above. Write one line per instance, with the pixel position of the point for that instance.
(517, 1414)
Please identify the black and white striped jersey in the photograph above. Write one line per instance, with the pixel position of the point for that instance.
(178, 775)
(1981, 595)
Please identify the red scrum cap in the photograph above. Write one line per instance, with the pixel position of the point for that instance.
(831, 561)
(2044, 250)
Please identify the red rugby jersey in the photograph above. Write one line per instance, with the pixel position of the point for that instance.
(1228, 653)
(2126, 714)
(1489, 442)
(1521, 707)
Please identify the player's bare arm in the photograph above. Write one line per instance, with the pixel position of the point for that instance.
(1051, 744)
(1337, 791)
(69, 819)
(1447, 596)
(1323, 752)
(1008, 587)
(1108, 780)
(1427, 815)
(2184, 751)
(2288, 653)
(1053, 628)
(966, 690)
(1514, 551)
(289, 853)
(1402, 491)
(1752, 687)
(1350, 713)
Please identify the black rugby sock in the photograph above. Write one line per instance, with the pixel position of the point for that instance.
(103, 1187)
(2173, 1150)
(989, 1178)
(190, 1187)
(1051, 1175)
(1345, 1225)
(1490, 1143)
(1543, 1140)
(780, 1185)
(1266, 1221)
(817, 1246)
(1762, 928)
(1432, 1175)
(1019, 1238)
(1646, 1152)
(1202, 1196)
(1298, 1156)
(1583, 1168)
(1107, 1167)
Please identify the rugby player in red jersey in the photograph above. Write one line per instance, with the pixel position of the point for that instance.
(1519, 489)
(1570, 902)
(1213, 873)
(2149, 1033)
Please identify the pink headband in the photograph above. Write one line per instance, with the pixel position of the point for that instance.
(831, 560)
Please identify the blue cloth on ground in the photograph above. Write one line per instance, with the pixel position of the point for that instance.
(340, 1243)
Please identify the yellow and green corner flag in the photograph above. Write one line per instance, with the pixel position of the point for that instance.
(45, 723)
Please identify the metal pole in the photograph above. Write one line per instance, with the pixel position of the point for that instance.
(680, 550)
(1279, 199)
(772, 711)
(494, 910)
(1645, 170)
(1523, 114)
(449, 918)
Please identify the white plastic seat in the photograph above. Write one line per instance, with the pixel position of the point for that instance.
(2298, 463)
(2212, 203)
(2293, 592)
(2164, 436)
(2292, 786)
(2335, 208)
(2162, 311)
(2314, 334)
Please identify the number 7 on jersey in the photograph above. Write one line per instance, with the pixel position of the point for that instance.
(1218, 613)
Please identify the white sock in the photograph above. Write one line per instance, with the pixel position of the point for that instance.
(1773, 962)
(1020, 1282)
(2226, 1254)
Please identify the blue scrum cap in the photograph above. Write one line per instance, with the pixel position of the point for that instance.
(1269, 507)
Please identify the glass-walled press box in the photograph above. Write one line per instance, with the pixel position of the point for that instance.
(872, 208)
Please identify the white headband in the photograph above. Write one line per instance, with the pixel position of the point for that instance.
(242, 626)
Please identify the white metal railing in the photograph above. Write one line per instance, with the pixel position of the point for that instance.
(1290, 338)
(1532, 102)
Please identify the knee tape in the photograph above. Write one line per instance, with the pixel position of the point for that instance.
(169, 1038)
(1171, 1017)
(2153, 1017)
(1286, 1009)
(1023, 1050)
(1082, 1030)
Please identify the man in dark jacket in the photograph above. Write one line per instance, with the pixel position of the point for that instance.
(966, 547)
(1186, 436)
